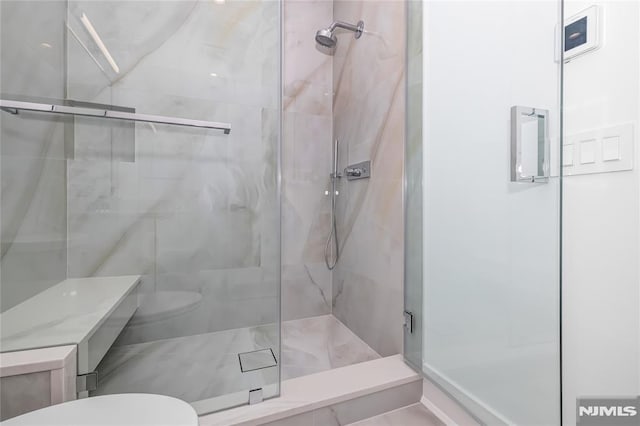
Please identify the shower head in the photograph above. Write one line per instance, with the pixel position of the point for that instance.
(327, 38)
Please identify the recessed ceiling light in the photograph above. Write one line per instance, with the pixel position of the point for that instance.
(45, 45)
(213, 74)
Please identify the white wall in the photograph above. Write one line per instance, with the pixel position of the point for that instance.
(601, 225)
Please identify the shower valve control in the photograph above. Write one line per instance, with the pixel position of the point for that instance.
(353, 172)
(358, 171)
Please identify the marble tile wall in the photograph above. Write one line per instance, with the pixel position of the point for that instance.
(33, 210)
(175, 217)
(195, 211)
(306, 160)
(191, 210)
(368, 118)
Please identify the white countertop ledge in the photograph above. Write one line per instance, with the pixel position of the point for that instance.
(67, 313)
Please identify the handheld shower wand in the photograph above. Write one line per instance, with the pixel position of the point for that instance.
(331, 260)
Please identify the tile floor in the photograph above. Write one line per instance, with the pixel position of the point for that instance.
(203, 366)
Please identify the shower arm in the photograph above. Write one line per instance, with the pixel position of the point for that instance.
(358, 29)
(345, 25)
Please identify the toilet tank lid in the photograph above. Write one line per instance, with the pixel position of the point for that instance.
(119, 409)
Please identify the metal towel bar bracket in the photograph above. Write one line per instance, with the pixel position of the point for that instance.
(14, 107)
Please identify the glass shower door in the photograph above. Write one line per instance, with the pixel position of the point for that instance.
(160, 138)
(489, 230)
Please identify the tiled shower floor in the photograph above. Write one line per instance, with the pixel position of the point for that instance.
(206, 365)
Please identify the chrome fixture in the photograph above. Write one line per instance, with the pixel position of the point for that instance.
(88, 110)
(329, 259)
(530, 145)
(327, 38)
(351, 172)
(360, 170)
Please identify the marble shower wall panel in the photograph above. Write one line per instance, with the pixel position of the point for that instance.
(368, 113)
(306, 160)
(195, 210)
(32, 150)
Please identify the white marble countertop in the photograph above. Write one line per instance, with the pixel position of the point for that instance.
(64, 314)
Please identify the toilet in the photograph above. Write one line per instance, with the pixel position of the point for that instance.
(130, 409)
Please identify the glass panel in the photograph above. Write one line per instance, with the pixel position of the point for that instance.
(167, 237)
(490, 246)
(413, 189)
(33, 168)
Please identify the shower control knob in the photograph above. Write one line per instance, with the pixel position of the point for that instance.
(356, 172)
(360, 170)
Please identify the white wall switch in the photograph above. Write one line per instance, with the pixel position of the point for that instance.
(609, 149)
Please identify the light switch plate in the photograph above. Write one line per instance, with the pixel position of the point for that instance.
(609, 149)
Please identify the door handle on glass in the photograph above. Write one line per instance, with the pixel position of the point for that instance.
(529, 144)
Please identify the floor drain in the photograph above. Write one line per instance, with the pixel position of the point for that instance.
(257, 360)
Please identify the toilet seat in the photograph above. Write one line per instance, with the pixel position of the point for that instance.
(131, 409)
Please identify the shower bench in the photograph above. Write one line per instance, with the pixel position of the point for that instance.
(87, 312)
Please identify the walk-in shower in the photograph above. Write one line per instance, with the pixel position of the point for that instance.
(140, 192)
(327, 38)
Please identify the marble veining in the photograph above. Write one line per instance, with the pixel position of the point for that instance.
(368, 116)
(190, 210)
(176, 206)
(202, 366)
(66, 313)
(311, 345)
(306, 160)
